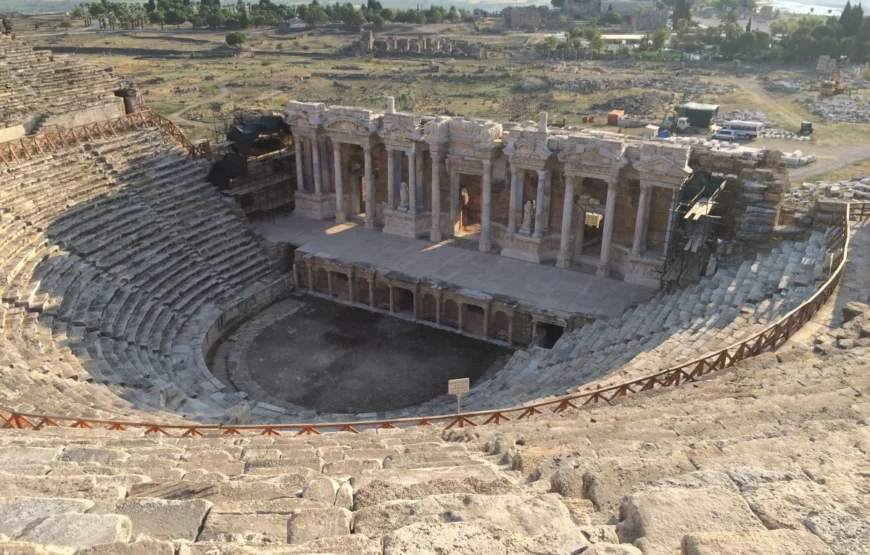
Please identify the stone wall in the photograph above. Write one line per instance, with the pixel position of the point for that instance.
(496, 318)
(420, 46)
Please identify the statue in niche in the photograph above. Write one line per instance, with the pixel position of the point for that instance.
(403, 196)
(528, 210)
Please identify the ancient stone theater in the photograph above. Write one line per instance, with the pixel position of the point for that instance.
(344, 331)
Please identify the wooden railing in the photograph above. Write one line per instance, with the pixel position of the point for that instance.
(31, 146)
(770, 338)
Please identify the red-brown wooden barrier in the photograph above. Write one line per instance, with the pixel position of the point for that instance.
(770, 338)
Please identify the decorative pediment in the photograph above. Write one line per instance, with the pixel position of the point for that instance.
(398, 126)
(347, 125)
(351, 120)
(664, 160)
(305, 113)
(528, 148)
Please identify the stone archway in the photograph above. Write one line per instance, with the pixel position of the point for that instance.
(500, 326)
(450, 317)
(321, 280)
(428, 308)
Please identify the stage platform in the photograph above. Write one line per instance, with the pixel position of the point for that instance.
(540, 285)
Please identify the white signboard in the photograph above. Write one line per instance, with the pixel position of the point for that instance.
(458, 387)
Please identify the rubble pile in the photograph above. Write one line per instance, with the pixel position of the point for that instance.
(785, 85)
(782, 134)
(634, 104)
(744, 115)
(692, 88)
(804, 195)
(854, 109)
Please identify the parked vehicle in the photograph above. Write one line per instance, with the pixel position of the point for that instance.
(744, 129)
(725, 135)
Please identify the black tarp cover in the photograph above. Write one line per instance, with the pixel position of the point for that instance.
(244, 135)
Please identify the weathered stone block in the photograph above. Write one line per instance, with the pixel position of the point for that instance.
(16, 513)
(80, 531)
(160, 518)
(309, 525)
(772, 542)
(656, 520)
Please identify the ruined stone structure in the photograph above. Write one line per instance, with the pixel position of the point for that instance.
(640, 15)
(42, 91)
(525, 18)
(421, 46)
(122, 267)
(590, 198)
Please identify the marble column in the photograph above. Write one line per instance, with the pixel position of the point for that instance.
(539, 204)
(564, 259)
(581, 231)
(324, 165)
(485, 244)
(412, 181)
(435, 230)
(300, 179)
(339, 185)
(607, 237)
(454, 199)
(421, 170)
(370, 189)
(548, 201)
(391, 178)
(672, 215)
(638, 246)
(512, 209)
(315, 160)
(306, 158)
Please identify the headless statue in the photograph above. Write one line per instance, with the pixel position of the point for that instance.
(403, 196)
(528, 210)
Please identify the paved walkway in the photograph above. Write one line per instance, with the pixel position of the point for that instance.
(539, 285)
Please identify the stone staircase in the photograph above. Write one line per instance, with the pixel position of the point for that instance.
(107, 279)
(735, 303)
(37, 83)
(770, 458)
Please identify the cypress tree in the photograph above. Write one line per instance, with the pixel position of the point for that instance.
(846, 12)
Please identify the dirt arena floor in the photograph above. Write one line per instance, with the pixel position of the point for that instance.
(334, 358)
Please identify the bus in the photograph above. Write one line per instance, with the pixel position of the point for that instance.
(744, 129)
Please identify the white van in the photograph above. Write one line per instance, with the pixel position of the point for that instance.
(744, 129)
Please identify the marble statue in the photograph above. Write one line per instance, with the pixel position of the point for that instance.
(528, 210)
(403, 196)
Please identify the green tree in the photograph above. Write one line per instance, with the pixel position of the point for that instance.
(611, 17)
(548, 45)
(315, 16)
(64, 23)
(558, 4)
(236, 39)
(157, 17)
(659, 38)
(378, 22)
(176, 17)
(596, 43)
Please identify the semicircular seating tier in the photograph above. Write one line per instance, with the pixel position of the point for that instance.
(115, 256)
(40, 89)
(118, 257)
(738, 301)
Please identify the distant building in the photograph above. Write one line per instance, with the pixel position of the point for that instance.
(641, 15)
(525, 18)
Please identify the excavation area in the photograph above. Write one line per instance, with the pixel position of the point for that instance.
(324, 356)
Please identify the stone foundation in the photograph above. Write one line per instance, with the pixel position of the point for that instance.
(406, 224)
(317, 206)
